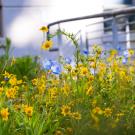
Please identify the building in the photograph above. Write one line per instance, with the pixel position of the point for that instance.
(21, 21)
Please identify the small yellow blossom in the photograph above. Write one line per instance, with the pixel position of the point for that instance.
(19, 82)
(122, 74)
(97, 110)
(113, 52)
(41, 88)
(76, 115)
(58, 132)
(84, 71)
(74, 72)
(53, 92)
(7, 75)
(107, 112)
(35, 81)
(13, 80)
(131, 52)
(17, 107)
(65, 110)
(28, 110)
(4, 114)
(47, 45)
(11, 93)
(68, 67)
(44, 29)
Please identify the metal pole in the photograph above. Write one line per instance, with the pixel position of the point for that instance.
(105, 14)
(114, 33)
(127, 34)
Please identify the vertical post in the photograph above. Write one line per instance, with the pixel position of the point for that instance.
(59, 37)
(48, 32)
(115, 33)
(59, 42)
(87, 44)
(127, 34)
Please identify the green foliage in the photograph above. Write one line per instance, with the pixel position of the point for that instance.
(5, 57)
(24, 66)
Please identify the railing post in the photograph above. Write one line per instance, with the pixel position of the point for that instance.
(48, 33)
(115, 33)
(59, 37)
(127, 34)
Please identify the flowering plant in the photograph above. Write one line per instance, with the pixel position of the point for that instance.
(95, 96)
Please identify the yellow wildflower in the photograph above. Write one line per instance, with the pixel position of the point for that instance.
(44, 29)
(74, 72)
(17, 107)
(113, 52)
(7, 75)
(41, 88)
(35, 81)
(4, 114)
(90, 78)
(84, 71)
(19, 82)
(58, 132)
(11, 93)
(131, 52)
(47, 45)
(97, 110)
(65, 110)
(68, 67)
(122, 74)
(53, 93)
(13, 80)
(107, 112)
(76, 115)
(28, 110)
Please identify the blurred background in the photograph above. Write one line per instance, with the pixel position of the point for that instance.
(20, 20)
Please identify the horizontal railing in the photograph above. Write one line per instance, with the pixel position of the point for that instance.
(105, 14)
(114, 31)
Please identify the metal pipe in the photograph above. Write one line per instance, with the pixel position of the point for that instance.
(105, 14)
